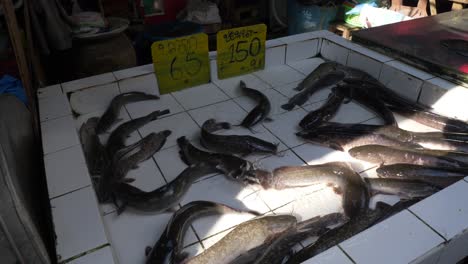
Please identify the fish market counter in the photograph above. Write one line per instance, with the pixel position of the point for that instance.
(433, 230)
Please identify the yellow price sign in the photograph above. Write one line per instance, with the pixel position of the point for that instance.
(181, 63)
(241, 50)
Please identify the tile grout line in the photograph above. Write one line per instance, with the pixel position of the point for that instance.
(67, 193)
(346, 253)
(87, 252)
(426, 224)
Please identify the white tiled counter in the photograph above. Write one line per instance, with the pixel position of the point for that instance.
(432, 231)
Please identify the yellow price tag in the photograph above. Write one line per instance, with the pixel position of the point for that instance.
(182, 62)
(241, 50)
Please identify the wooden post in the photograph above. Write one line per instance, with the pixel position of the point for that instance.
(23, 65)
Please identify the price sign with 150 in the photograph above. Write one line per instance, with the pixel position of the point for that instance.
(182, 62)
(241, 50)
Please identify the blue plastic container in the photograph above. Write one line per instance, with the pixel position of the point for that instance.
(304, 18)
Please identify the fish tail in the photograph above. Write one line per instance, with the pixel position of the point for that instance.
(164, 112)
(242, 85)
(288, 106)
(167, 133)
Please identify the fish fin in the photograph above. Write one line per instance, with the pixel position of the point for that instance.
(268, 119)
(299, 88)
(180, 257)
(288, 106)
(148, 250)
(121, 208)
(171, 210)
(166, 133)
(242, 84)
(128, 180)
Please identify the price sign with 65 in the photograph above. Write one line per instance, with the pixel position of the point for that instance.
(241, 50)
(182, 62)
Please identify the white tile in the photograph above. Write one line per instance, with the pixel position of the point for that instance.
(147, 176)
(288, 91)
(143, 108)
(285, 158)
(304, 203)
(88, 82)
(130, 233)
(179, 124)
(432, 257)
(49, 91)
(103, 255)
(322, 33)
(227, 111)
(169, 162)
(135, 71)
(53, 107)
(365, 63)
(306, 66)
(66, 171)
(199, 96)
(333, 255)
(285, 127)
(93, 99)
(347, 113)
(231, 86)
(276, 100)
(58, 134)
(446, 211)
(455, 250)
(78, 225)
(145, 83)
(445, 98)
(402, 83)
(274, 43)
(220, 189)
(411, 125)
(314, 154)
(402, 233)
(279, 75)
(410, 70)
(339, 40)
(275, 56)
(370, 53)
(334, 52)
(302, 50)
(210, 225)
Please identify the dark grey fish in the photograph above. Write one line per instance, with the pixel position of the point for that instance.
(127, 159)
(344, 141)
(326, 112)
(233, 167)
(244, 238)
(430, 119)
(375, 89)
(111, 115)
(374, 103)
(322, 70)
(338, 175)
(94, 151)
(260, 111)
(437, 176)
(315, 227)
(404, 188)
(117, 138)
(389, 155)
(161, 199)
(168, 249)
(233, 144)
(328, 80)
(356, 225)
